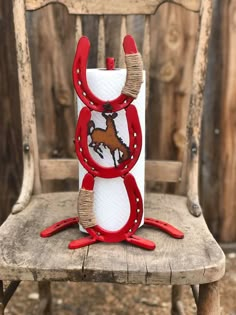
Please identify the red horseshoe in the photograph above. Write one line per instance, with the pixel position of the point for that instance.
(82, 151)
(80, 77)
(98, 234)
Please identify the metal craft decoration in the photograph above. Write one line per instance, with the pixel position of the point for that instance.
(124, 155)
(109, 139)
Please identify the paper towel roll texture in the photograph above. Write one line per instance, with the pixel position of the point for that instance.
(111, 203)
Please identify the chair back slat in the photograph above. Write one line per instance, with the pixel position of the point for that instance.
(102, 7)
(146, 54)
(78, 28)
(101, 43)
(123, 32)
(159, 171)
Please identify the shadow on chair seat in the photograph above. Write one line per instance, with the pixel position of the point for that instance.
(25, 255)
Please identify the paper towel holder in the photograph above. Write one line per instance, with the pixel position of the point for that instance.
(85, 200)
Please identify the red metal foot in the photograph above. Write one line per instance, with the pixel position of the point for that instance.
(85, 241)
(165, 227)
(141, 242)
(59, 226)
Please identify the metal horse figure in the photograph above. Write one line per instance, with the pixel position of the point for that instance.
(108, 138)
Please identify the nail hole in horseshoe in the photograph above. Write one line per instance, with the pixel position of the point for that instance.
(77, 70)
(79, 82)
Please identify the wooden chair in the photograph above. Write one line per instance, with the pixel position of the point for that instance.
(197, 259)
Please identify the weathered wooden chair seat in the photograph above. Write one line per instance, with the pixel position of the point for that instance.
(195, 259)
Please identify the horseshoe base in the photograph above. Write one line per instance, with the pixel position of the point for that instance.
(133, 239)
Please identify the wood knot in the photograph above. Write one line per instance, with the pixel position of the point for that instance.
(167, 72)
(179, 139)
(173, 37)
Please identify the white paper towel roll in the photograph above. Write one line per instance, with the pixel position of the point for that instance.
(111, 203)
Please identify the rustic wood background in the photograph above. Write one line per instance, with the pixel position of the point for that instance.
(173, 40)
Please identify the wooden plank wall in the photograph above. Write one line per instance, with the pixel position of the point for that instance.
(173, 41)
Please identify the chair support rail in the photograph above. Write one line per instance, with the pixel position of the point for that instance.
(6, 296)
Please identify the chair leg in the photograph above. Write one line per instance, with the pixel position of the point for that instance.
(176, 296)
(209, 299)
(45, 298)
(1, 298)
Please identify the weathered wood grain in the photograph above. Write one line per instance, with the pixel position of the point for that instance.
(10, 125)
(51, 38)
(227, 145)
(45, 297)
(161, 171)
(196, 105)
(209, 299)
(173, 43)
(176, 297)
(210, 177)
(112, 6)
(123, 32)
(29, 137)
(101, 42)
(78, 29)
(9, 291)
(146, 55)
(28, 182)
(195, 259)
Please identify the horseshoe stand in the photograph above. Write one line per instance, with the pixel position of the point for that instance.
(94, 169)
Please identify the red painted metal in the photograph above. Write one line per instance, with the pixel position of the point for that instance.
(82, 242)
(110, 63)
(141, 242)
(59, 226)
(165, 227)
(80, 77)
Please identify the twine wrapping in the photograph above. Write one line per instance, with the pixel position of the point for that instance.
(85, 208)
(134, 77)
